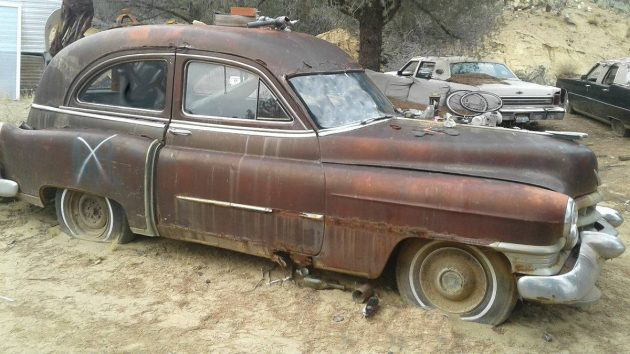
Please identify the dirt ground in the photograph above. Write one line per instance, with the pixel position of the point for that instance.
(58, 294)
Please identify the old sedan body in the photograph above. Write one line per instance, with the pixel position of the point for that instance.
(276, 144)
(603, 93)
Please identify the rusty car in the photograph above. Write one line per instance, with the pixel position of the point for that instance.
(277, 144)
(603, 93)
(522, 101)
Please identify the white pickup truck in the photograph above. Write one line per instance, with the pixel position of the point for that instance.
(430, 76)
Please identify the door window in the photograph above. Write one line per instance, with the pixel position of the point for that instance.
(425, 70)
(216, 90)
(609, 79)
(595, 73)
(409, 69)
(137, 84)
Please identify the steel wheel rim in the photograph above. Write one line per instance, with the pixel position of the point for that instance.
(451, 279)
(86, 215)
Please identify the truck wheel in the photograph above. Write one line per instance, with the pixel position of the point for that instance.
(619, 129)
(90, 217)
(476, 285)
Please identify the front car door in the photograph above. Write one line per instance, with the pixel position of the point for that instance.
(582, 98)
(239, 168)
(424, 85)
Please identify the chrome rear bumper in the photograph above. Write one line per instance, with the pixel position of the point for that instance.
(577, 286)
(8, 188)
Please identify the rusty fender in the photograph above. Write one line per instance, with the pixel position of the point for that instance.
(371, 210)
(104, 163)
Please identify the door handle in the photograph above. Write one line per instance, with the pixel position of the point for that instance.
(605, 90)
(179, 132)
(587, 86)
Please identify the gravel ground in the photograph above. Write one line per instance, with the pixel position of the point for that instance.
(157, 295)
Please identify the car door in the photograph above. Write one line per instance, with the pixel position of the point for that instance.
(583, 95)
(238, 163)
(600, 94)
(424, 85)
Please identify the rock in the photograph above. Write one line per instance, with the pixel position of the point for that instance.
(338, 318)
(568, 19)
(547, 337)
(624, 158)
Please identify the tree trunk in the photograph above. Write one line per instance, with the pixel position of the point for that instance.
(371, 23)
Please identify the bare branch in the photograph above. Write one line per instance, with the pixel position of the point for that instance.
(437, 21)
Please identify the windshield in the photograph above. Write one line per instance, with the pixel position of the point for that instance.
(497, 70)
(340, 99)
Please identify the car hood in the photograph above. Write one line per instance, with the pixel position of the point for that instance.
(518, 88)
(503, 154)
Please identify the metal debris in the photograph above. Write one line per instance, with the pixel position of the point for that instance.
(362, 293)
(7, 299)
(370, 307)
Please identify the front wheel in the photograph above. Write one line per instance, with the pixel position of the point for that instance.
(474, 284)
(619, 128)
(90, 217)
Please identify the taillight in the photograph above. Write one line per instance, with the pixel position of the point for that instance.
(557, 99)
(560, 97)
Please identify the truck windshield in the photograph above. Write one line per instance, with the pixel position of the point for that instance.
(340, 99)
(497, 70)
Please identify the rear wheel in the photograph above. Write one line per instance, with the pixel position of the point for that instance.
(619, 129)
(90, 217)
(465, 281)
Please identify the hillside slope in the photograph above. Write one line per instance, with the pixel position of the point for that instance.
(542, 45)
(534, 38)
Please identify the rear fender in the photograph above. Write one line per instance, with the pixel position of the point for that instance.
(113, 165)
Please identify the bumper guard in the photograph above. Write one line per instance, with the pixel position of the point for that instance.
(577, 286)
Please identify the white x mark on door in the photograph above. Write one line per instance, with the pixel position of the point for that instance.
(92, 156)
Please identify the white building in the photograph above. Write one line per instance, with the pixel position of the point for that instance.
(32, 15)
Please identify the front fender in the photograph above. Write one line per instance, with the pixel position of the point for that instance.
(369, 210)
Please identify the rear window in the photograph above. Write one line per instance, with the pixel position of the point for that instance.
(135, 84)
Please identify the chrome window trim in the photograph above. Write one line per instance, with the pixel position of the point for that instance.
(277, 133)
(351, 127)
(121, 114)
(292, 113)
(185, 114)
(100, 116)
(85, 78)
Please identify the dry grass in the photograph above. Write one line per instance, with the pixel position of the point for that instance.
(593, 21)
(567, 69)
(15, 111)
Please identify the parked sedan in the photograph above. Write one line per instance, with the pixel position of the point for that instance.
(603, 93)
(523, 101)
(277, 144)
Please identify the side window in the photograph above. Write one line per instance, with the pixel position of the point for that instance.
(136, 84)
(268, 106)
(217, 90)
(609, 79)
(426, 70)
(595, 73)
(409, 69)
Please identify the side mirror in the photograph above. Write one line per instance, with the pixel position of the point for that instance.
(592, 79)
(399, 73)
(583, 77)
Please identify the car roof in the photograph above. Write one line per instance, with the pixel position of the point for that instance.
(455, 59)
(283, 53)
(616, 61)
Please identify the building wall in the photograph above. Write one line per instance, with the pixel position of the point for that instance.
(34, 16)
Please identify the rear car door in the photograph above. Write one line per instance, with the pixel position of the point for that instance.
(238, 163)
